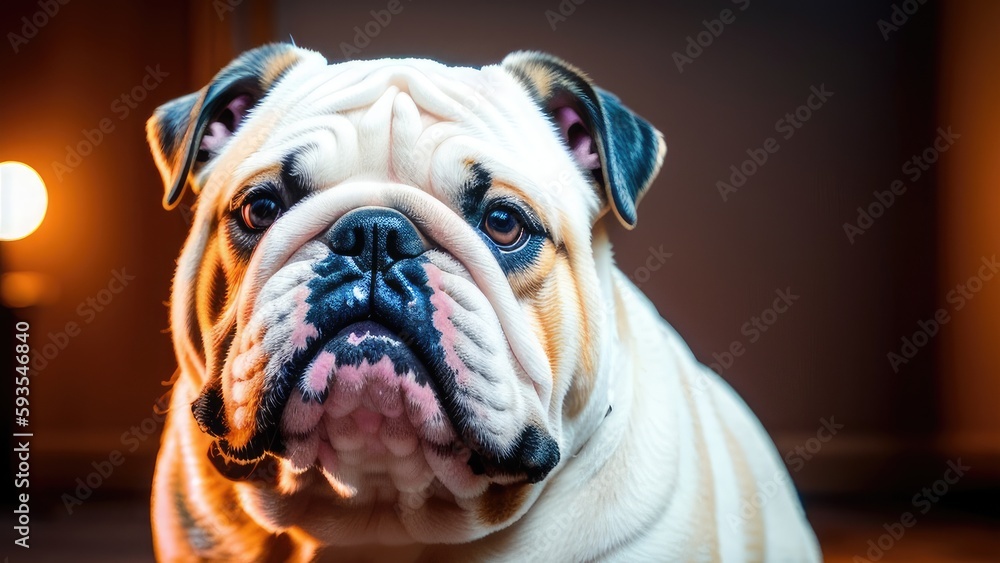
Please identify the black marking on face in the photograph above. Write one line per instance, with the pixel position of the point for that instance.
(521, 259)
(208, 410)
(475, 205)
(392, 305)
(391, 310)
(294, 177)
(538, 453)
(341, 295)
(262, 471)
(535, 455)
(534, 238)
(291, 186)
(241, 239)
(381, 343)
(217, 292)
(474, 191)
(397, 298)
(266, 440)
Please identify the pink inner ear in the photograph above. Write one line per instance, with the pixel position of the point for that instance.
(578, 138)
(220, 130)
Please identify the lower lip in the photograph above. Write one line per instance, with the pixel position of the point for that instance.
(361, 328)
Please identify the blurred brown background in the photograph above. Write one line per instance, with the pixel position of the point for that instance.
(825, 358)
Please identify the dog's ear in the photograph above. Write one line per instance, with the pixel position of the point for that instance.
(187, 132)
(623, 150)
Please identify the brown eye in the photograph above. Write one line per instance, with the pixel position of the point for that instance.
(260, 211)
(504, 227)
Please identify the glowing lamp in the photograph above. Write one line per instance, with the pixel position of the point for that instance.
(23, 200)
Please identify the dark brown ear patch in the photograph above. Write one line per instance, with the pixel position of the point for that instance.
(599, 131)
(193, 128)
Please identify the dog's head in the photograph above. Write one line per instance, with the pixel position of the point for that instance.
(389, 297)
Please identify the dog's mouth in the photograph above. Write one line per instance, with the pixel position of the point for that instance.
(366, 413)
(397, 385)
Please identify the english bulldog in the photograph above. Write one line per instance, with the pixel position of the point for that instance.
(402, 336)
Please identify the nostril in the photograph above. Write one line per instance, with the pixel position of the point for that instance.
(357, 246)
(392, 245)
(407, 245)
(375, 237)
(349, 241)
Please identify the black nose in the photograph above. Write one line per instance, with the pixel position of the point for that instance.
(376, 237)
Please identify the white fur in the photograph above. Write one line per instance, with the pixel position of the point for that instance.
(663, 477)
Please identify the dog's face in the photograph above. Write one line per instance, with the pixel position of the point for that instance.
(389, 299)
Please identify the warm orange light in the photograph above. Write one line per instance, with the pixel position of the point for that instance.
(27, 289)
(23, 200)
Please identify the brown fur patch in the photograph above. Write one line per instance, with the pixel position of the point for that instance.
(548, 314)
(583, 380)
(502, 186)
(501, 502)
(542, 78)
(546, 75)
(529, 282)
(276, 66)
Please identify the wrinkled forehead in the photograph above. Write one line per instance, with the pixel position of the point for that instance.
(409, 121)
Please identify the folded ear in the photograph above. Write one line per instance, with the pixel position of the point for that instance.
(186, 132)
(622, 149)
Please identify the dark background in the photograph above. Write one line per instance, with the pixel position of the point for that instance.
(825, 358)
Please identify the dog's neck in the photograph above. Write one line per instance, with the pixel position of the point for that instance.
(610, 392)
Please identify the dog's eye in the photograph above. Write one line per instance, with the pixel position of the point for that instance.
(504, 227)
(260, 211)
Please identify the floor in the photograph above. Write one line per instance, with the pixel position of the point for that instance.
(852, 534)
(118, 531)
